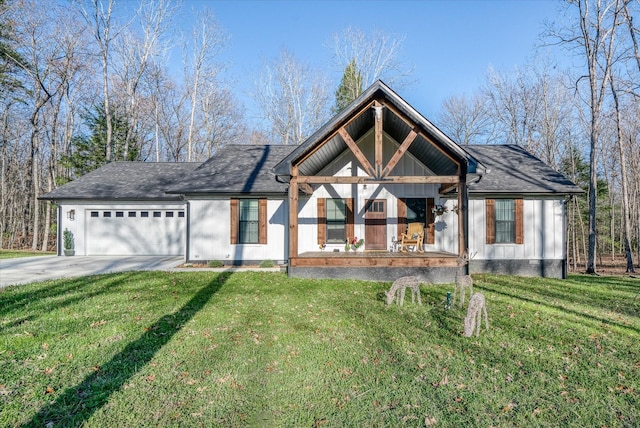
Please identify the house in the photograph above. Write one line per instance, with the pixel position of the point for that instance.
(370, 171)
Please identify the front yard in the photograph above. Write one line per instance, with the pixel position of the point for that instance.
(260, 349)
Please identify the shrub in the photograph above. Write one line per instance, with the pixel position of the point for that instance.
(67, 238)
(215, 264)
(267, 264)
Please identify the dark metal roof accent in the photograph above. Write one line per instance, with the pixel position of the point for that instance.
(237, 169)
(514, 171)
(141, 181)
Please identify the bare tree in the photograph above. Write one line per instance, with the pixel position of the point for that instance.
(99, 17)
(466, 120)
(293, 98)
(376, 56)
(136, 53)
(596, 22)
(202, 68)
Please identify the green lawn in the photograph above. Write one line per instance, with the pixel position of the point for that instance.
(12, 254)
(260, 349)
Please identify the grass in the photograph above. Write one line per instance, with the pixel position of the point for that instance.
(261, 349)
(12, 254)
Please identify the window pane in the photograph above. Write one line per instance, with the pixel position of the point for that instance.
(505, 220)
(416, 210)
(248, 224)
(336, 221)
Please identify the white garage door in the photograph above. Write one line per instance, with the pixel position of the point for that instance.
(140, 232)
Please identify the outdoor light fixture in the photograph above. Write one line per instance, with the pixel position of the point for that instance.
(71, 215)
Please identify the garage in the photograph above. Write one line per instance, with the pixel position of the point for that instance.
(147, 231)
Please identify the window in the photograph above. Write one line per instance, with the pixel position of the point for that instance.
(168, 214)
(119, 213)
(505, 224)
(94, 213)
(336, 221)
(132, 213)
(416, 210)
(157, 214)
(505, 221)
(144, 214)
(248, 221)
(180, 213)
(106, 214)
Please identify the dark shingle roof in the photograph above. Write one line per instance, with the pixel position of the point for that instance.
(125, 181)
(513, 170)
(237, 169)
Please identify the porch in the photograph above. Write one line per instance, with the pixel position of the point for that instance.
(433, 266)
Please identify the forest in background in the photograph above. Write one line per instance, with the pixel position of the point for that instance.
(80, 87)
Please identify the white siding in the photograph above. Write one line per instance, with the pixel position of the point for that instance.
(543, 232)
(210, 226)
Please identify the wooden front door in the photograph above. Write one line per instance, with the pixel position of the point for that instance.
(375, 224)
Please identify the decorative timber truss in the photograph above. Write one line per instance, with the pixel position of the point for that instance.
(378, 99)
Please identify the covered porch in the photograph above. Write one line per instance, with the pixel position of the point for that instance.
(374, 156)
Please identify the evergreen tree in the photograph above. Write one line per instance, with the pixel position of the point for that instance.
(350, 87)
(89, 152)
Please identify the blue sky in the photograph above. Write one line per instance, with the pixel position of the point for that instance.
(450, 43)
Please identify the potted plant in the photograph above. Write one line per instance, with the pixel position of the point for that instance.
(356, 243)
(439, 209)
(67, 241)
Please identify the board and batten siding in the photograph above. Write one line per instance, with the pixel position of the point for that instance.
(210, 233)
(544, 234)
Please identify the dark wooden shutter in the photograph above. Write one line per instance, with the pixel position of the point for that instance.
(262, 221)
(431, 219)
(519, 214)
(322, 221)
(491, 221)
(350, 229)
(234, 219)
(402, 217)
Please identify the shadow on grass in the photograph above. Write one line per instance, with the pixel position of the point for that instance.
(488, 287)
(76, 405)
(79, 289)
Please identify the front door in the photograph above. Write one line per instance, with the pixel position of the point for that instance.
(375, 224)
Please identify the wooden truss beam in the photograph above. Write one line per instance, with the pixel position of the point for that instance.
(419, 179)
(357, 152)
(399, 153)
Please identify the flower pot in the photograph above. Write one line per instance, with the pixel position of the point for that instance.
(69, 252)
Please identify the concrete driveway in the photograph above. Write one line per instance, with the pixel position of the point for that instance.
(31, 269)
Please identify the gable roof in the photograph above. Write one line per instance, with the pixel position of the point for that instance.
(513, 170)
(399, 118)
(125, 181)
(237, 169)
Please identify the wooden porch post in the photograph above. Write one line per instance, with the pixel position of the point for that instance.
(463, 211)
(293, 214)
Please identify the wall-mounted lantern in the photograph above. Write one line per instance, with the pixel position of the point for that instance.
(71, 215)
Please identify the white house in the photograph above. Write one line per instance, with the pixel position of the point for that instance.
(371, 170)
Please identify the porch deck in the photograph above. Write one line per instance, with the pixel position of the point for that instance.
(433, 266)
(374, 259)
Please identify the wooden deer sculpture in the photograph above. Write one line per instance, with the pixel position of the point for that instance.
(400, 285)
(463, 281)
(473, 320)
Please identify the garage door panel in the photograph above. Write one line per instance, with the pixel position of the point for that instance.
(140, 232)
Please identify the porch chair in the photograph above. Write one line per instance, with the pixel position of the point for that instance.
(412, 238)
